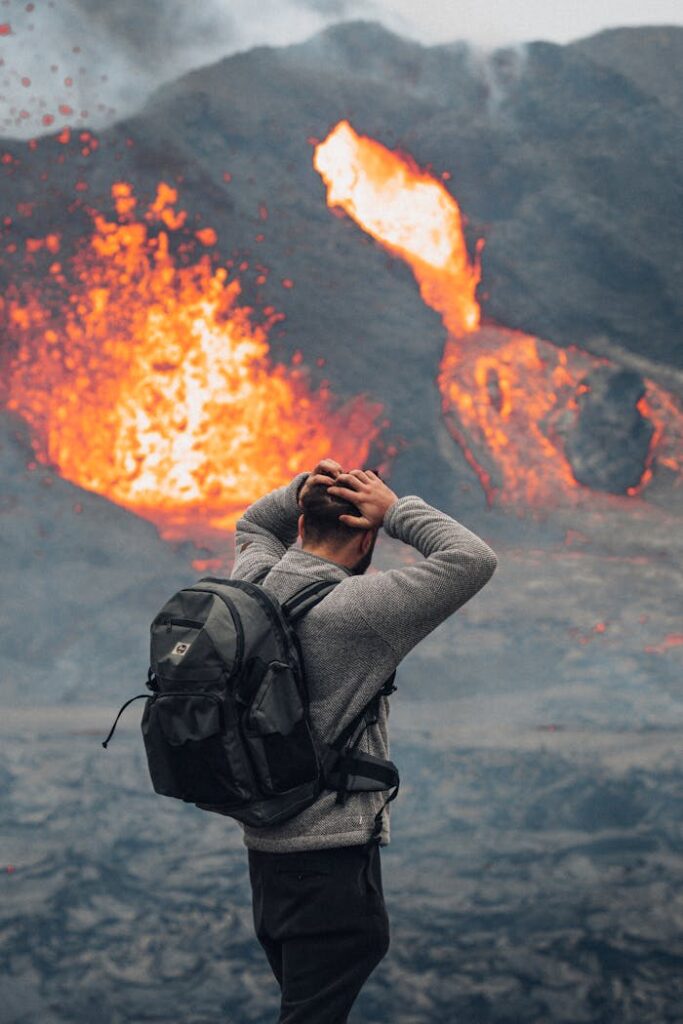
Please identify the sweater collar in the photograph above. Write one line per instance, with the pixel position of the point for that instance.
(303, 562)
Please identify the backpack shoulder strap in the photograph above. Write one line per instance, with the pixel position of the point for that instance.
(308, 597)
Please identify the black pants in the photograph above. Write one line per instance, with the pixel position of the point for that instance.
(321, 919)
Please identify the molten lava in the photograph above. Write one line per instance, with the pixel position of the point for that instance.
(146, 381)
(410, 213)
(505, 394)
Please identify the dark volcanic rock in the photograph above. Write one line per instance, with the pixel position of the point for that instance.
(609, 441)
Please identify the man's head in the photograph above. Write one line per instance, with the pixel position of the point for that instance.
(323, 533)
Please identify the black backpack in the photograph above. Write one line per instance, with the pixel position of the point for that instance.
(226, 724)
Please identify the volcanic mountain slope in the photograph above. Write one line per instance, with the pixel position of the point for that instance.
(650, 57)
(568, 168)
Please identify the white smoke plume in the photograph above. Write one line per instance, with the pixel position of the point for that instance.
(92, 62)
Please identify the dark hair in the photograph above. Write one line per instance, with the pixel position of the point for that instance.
(321, 512)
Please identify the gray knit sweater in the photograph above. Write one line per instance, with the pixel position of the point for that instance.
(356, 636)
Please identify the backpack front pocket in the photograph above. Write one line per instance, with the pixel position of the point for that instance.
(277, 733)
(192, 753)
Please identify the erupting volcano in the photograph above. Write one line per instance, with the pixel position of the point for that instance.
(146, 381)
(510, 400)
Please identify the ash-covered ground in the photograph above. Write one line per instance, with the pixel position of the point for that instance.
(534, 874)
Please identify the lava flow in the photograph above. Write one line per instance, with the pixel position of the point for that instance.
(146, 381)
(508, 398)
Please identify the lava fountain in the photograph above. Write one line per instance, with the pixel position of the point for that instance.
(145, 380)
(508, 398)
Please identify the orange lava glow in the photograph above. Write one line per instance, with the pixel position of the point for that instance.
(146, 381)
(411, 214)
(505, 395)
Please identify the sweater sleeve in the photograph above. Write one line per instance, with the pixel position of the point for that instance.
(403, 606)
(266, 530)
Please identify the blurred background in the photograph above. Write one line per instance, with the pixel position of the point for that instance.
(443, 240)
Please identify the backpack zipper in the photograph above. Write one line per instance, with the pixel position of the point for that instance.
(189, 623)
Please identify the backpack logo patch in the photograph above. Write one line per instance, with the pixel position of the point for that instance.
(180, 649)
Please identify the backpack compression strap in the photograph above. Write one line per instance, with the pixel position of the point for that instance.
(343, 764)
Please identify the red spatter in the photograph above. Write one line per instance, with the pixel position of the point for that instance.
(65, 109)
(64, 136)
(287, 282)
(207, 236)
(25, 82)
(5, 29)
(670, 640)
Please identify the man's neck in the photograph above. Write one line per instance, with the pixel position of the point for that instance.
(346, 559)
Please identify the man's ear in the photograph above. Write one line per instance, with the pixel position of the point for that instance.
(366, 540)
(300, 526)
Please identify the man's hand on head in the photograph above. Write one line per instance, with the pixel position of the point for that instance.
(370, 495)
(326, 472)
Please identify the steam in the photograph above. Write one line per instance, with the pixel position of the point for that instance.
(92, 62)
(498, 71)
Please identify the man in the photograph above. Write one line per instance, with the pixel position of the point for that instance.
(316, 883)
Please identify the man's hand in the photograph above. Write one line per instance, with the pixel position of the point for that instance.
(326, 472)
(368, 493)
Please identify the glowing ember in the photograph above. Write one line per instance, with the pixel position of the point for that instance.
(147, 382)
(505, 394)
